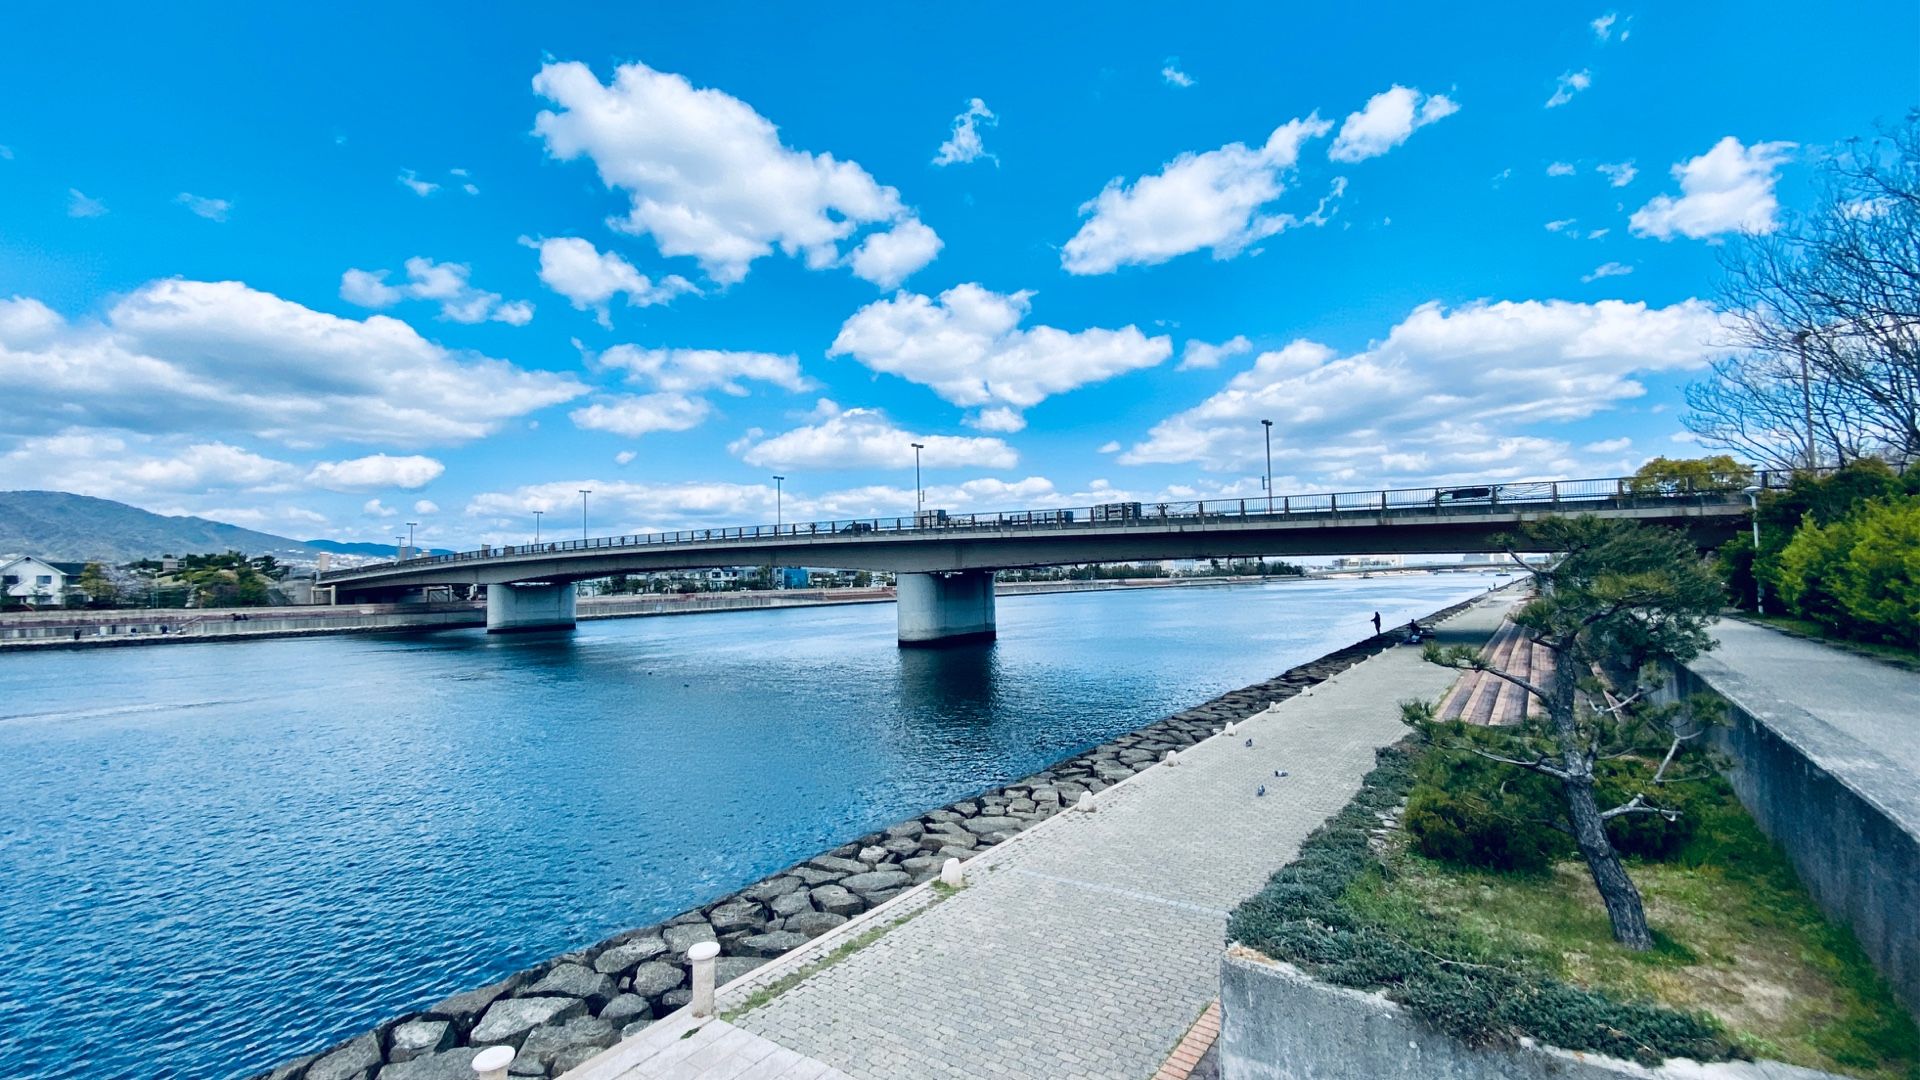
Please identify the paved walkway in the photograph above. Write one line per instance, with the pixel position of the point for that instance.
(1086, 946)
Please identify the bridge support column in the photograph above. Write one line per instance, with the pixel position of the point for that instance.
(943, 609)
(539, 606)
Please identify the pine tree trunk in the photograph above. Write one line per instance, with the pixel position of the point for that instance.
(1617, 891)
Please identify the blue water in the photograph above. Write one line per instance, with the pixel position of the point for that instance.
(214, 857)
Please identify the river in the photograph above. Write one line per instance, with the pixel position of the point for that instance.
(217, 856)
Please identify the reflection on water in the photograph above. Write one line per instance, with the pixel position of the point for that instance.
(217, 856)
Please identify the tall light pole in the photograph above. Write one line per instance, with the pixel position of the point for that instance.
(919, 493)
(410, 526)
(397, 549)
(1806, 393)
(584, 492)
(536, 525)
(1267, 425)
(778, 481)
(1753, 503)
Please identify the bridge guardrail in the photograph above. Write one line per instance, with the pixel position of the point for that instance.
(1617, 490)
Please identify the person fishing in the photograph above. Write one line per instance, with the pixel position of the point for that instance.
(1376, 623)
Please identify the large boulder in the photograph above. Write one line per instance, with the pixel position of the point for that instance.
(418, 1038)
(737, 915)
(464, 1010)
(685, 936)
(980, 826)
(838, 865)
(548, 1040)
(654, 978)
(876, 881)
(625, 1009)
(509, 1021)
(837, 899)
(454, 1064)
(728, 968)
(572, 1058)
(792, 903)
(771, 945)
(909, 829)
(814, 923)
(772, 887)
(353, 1060)
(624, 958)
(573, 980)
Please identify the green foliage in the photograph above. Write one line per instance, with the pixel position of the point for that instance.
(1857, 576)
(1667, 476)
(1300, 917)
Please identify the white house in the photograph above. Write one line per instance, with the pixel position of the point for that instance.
(37, 581)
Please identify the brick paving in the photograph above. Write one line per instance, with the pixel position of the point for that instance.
(1085, 947)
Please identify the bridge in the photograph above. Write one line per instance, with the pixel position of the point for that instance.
(945, 562)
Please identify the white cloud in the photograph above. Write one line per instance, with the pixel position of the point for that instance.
(1727, 189)
(1619, 175)
(1562, 225)
(634, 415)
(886, 258)
(1430, 400)
(376, 508)
(624, 457)
(1571, 83)
(204, 357)
(1207, 200)
(376, 471)
(416, 185)
(1173, 75)
(211, 209)
(425, 506)
(591, 278)
(80, 205)
(1388, 119)
(1607, 270)
(693, 370)
(1595, 234)
(114, 464)
(1607, 446)
(964, 145)
(866, 438)
(1000, 418)
(1200, 354)
(1560, 168)
(1111, 446)
(445, 283)
(968, 346)
(1603, 27)
(708, 177)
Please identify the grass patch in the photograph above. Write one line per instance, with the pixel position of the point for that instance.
(1743, 965)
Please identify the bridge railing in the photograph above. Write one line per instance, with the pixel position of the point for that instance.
(1461, 499)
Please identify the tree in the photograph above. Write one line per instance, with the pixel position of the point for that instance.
(97, 586)
(1619, 601)
(1669, 476)
(1826, 312)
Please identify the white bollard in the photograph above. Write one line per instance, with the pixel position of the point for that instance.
(1085, 805)
(491, 1063)
(950, 874)
(702, 954)
(1228, 730)
(1172, 757)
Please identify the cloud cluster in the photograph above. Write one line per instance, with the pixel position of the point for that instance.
(211, 209)
(634, 415)
(1388, 119)
(708, 177)
(969, 347)
(964, 144)
(1569, 84)
(694, 370)
(1213, 200)
(217, 356)
(376, 471)
(865, 438)
(1200, 354)
(1427, 400)
(443, 283)
(590, 278)
(1727, 189)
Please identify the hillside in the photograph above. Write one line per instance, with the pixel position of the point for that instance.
(75, 528)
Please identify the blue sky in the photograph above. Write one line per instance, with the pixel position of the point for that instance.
(319, 272)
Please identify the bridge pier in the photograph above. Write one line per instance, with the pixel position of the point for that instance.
(537, 606)
(945, 608)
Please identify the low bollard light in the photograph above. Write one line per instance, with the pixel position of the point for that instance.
(1172, 757)
(491, 1063)
(702, 955)
(1228, 730)
(950, 874)
(1085, 805)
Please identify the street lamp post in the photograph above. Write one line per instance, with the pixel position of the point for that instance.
(1806, 393)
(584, 492)
(397, 549)
(410, 526)
(778, 481)
(536, 525)
(1267, 425)
(919, 493)
(1753, 503)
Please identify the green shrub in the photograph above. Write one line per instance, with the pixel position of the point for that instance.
(1652, 836)
(1878, 585)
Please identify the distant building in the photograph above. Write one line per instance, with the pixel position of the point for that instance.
(791, 577)
(38, 581)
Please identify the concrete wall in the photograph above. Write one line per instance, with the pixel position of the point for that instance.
(938, 609)
(1845, 837)
(530, 607)
(148, 627)
(1276, 1023)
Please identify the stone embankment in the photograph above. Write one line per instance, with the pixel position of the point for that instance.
(564, 1011)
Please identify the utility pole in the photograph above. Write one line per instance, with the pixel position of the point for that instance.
(410, 526)
(778, 481)
(1806, 394)
(1268, 426)
(397, 549)
(1753, 503)
(536, 525)
(919, 496)
(584, 492)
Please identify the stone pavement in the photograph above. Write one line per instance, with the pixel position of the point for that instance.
(713, 1050)
(1086, 946)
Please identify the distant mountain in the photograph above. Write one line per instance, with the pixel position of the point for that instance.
(372, 551)
(77, 528)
